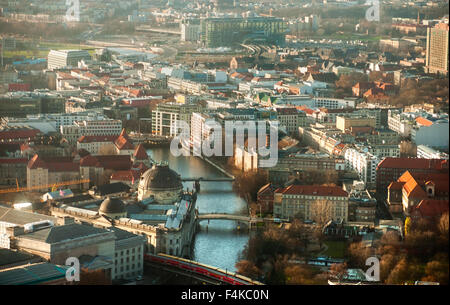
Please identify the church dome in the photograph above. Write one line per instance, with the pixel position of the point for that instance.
(112, 206)
(160, 177)
(161, 182)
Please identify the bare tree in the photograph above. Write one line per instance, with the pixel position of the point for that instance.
(321, 213)
(338, 271)
(408, 149)
(107, 150)
(443, 224)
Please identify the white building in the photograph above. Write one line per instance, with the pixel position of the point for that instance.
(66, 58)
(190, 31)
(426, 152)
(399, 123)
(335, 103)
(166, 115)
(364, 163)
(91, 128)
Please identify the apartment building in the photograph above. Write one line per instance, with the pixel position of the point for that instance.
(399, 123)
(166, 115)
(437, 49)
(363, 162)
(90, 128)
(306, 200)
(291, 118)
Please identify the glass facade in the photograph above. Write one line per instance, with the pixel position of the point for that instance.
(222, 32)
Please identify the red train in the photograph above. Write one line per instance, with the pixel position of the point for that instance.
(215, 273)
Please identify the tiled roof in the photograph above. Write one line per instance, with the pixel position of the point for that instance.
(14, 161)
(140, 153)
(317, 190)
(115, 162)
(13, 134)
(431, 207)
(413, 163)
(423, 121)
(21, 217)
(91, 139)
(53, 164)
(65, 232)
(129, 175)
(396, 185)
(123, 142)
(266, 189)
(414, 183)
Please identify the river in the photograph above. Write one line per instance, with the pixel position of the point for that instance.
(218, 242)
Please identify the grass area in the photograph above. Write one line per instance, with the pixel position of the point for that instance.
(336, 249)
(44, 48)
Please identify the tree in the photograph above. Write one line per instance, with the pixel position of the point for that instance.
(408, 149)
(443, 225)
(400, 274)
(407, 225)
(358, 254)
(338, 271)
(321, 213)
(347, 81)
(248, 268)
(107, 150)
(437, 271)
(387, 264)
(299, 275)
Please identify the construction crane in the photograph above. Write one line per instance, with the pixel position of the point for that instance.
(39, 187)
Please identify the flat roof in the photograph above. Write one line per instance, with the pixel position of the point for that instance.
(16, 217)
(32, 274)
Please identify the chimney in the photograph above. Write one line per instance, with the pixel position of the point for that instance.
(66, 220)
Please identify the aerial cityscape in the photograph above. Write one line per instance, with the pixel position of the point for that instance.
(224, 142)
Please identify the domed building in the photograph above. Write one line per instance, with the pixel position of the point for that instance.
(161, 182)
(113, 208)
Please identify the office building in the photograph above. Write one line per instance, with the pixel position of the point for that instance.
(437, 49)
(66, 58)
(224, 32)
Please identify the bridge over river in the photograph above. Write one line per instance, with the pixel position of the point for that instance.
(241, 218)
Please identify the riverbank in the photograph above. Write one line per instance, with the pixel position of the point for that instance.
(217, 167)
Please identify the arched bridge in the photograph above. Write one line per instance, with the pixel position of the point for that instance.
(241, 218)
(226, 216)
(209, 274)
(207, 179)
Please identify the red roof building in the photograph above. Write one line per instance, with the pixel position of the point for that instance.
(413, 187)
(123, 142)
(301, 200)
(390, 169)
(18, 135)
(140, 153)
(430, 208)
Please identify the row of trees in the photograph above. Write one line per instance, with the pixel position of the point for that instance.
(422, 255)
(277, 255)
(274, 256)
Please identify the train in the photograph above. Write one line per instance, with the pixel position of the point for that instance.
(212, 272)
